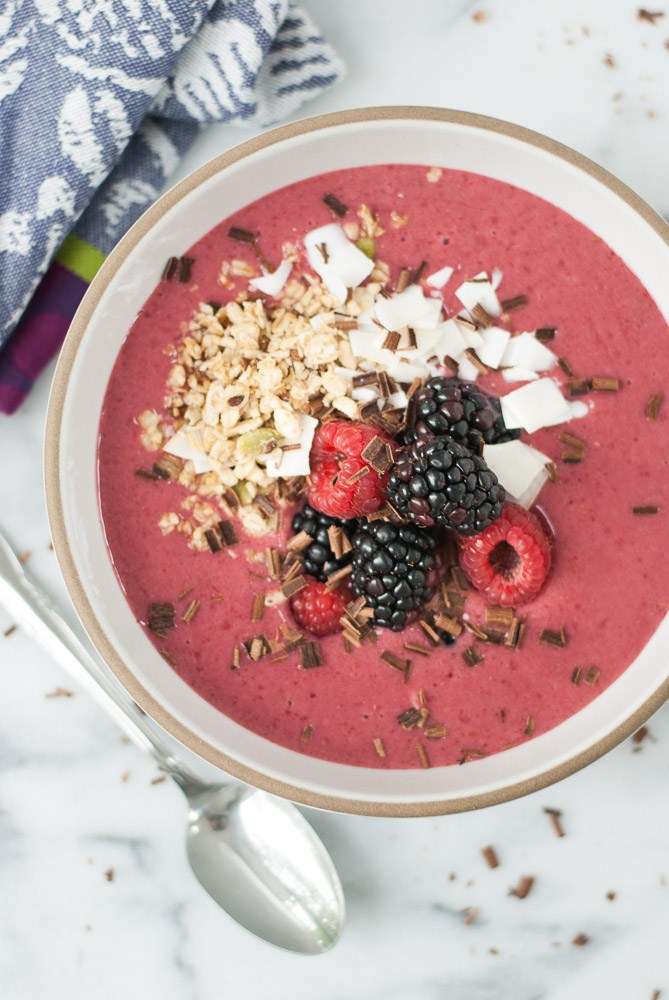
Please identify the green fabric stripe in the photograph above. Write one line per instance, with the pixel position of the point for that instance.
(80, 257)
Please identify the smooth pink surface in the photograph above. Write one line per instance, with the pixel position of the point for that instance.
(610, 583)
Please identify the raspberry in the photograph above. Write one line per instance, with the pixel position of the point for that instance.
(509, 561)
(318, 610)
(335, 459)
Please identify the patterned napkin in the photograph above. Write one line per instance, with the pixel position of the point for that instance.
(98, 101)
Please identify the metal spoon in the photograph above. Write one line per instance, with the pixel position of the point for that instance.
(256, 855)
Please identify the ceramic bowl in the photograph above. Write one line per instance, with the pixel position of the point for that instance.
(251, 170)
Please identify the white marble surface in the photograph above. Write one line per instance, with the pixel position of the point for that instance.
(76, 802)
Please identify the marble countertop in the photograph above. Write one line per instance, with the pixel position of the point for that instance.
(97, 900)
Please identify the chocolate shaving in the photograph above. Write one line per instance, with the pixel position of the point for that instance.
(591, 676)
(306, 733)
(549, 637)
(334, 579)
(476, 630)
(415, 386)
(409, 719)
(145, 474)
(310, 655)
(554, 815)
(264, 504)
(337, 206)
(646, 509)
(293, 586)
(654, 405)
(236, 658)
(514, 303)
(601, 383)
(419, 272)
(545, 334)
(522, 890)
(570, 456)
(429, 632)
(170, 269)
(403, 279)
(366, 378)
(422, 755)
(323, 250)
(438, 731)
(396, 661)
(471, 354)
(451, 364)
(345, 324)
(552, 471)
(578, 387)
(576, 675)
(529, 726)
(241, 235)
(491, 856)
(574, 442)
(482, 316)
(190, 611)
(167, 467)
(299, 542)
(378, 455)
(498, 616)
(257, 607)
(448, 624)
(414, 647)
(185, 269)
(257, 647)
(472, 655)
(222, 535)
(566, 367)
(360, 474)
(391, 343)
(161, 618)
(379, 747)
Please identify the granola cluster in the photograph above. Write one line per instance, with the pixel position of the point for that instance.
(241, 377)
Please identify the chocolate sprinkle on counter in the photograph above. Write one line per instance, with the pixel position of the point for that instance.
(306, 733)
(555, 816)
(490, 855)
(515, 303)
(293, 586)
(646, 509)
(654, 405)
(523, 889)
(578, 387)
(10, 631)
(310, 655)
(190, 611)
(423, 757)
(335, 205)
(601, 383)
(652, 16)
(379, 747)
(549, 637)
(580, 940)
(472, 655)
(161, 618)
(640, 735)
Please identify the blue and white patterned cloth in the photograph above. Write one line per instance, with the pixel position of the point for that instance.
(100, 98)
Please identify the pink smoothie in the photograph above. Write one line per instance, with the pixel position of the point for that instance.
(609, 586)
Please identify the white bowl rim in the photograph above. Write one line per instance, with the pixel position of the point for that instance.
(53, 471)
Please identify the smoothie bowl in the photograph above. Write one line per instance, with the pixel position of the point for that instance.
(357, 461)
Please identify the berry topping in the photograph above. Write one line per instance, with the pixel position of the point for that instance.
(343, 483)
(509, 561)
(460, 410)
(318, 610)
(318, 558)
(438, 481)
(391, 565)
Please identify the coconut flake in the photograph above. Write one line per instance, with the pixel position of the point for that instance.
(408, 308)
(467, 371)
(404, 371)
(478, 291)
(440, 278)
(519, 375)
(495, 341)
(520, 469)
(187, 444)
(535, 405)
(496, 277)
(272, 283)
(525, 351)
(296, 462)
(346, 266)
(451, 341)
(367, 344)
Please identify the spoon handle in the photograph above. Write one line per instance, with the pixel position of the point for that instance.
(32, 609)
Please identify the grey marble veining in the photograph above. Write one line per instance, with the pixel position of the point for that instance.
(96, 897)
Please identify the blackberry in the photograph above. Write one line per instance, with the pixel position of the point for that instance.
(391, 565)
(459, 409)
(438, 481)
(319, 559)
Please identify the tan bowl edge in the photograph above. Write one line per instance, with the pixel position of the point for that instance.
(54, 499)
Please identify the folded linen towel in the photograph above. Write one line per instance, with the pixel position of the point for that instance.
(99, 99)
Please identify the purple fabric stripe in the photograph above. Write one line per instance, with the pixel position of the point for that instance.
(39, 335)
